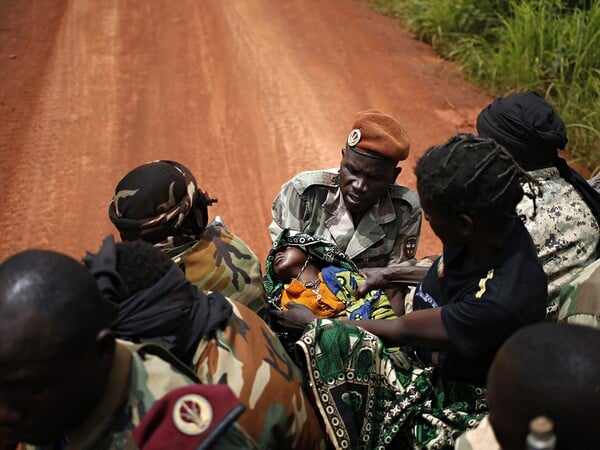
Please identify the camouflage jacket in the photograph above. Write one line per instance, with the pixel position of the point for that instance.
(580, 299)
(564, 231)
(138, 379)
(388, 233)
(248, 357)
(221, 261)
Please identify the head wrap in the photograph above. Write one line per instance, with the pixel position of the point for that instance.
(317, 249)
(531, 130)
(378, 135)
(526, 125)
(159, 202)
(172, 313)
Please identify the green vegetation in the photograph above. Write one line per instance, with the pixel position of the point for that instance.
(549, 46)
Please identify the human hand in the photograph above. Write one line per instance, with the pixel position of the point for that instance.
(296, 317)
(375, 278)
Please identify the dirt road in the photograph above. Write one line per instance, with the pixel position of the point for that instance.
(245, 93)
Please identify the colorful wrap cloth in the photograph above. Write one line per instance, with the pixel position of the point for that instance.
(339, 280)
(370, 398)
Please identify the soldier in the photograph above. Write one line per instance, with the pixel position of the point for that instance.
(160, 202)
(220, 339)
(360, 207)
(564, 220)
(66, 383)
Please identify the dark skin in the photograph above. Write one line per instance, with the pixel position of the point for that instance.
(363, 180)
(47, 388)
(425, 327)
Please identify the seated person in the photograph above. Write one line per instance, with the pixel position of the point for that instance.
(580, 299)
(566, 225)
(544, 369)
(487, 284)
(160, 202)
(359, 206)
(309, 271)
(223, 341)
(66, 383)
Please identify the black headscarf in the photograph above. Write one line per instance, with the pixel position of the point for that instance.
(529, 128)
(173, 312)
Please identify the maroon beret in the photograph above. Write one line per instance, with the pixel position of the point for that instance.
(187, 417)
(379, 134)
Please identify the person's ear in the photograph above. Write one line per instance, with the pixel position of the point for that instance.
(105, 343)
(466, 224)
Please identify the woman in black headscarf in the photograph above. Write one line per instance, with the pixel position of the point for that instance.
(564, 220)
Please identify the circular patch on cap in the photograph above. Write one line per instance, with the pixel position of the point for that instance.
(354, 137)
(192, 414)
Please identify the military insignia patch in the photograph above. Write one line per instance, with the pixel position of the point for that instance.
(440, 267)
(410, 247)
(354, 137)
(192, 414)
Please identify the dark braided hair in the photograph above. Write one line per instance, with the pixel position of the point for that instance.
(141, 265)
(474, 176)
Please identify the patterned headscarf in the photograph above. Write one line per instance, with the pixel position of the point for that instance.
(317, 249)
(160, 202)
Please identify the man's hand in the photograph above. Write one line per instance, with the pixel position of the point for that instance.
(296, 317)
(375, 278)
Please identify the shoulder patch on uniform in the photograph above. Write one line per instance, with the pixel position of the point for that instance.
(410, 246)
(304, 180)
(441, 270)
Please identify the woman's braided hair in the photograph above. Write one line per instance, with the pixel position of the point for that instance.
(472, 175)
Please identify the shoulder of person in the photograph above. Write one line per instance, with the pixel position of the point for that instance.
(302, 181)
(402, 193)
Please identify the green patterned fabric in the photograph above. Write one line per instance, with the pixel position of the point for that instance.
(372, 399)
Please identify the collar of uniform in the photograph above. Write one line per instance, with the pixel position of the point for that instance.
(114, 395)
(381, 212)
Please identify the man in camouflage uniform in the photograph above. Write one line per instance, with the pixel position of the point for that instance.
(223, 341)
(160, 202)
(66, 383)
(359, 207)
(563, 216)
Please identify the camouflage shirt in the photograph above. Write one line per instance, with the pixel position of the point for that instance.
(580, 299)
(137, 380)
(564, 230)
(248, 357)
(220, 261)
(387, 234)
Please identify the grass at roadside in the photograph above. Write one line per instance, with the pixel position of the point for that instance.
(549, 46)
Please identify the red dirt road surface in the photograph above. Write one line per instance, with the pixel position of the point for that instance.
(245, 93)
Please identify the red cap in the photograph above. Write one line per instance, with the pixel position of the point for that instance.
(187, 417)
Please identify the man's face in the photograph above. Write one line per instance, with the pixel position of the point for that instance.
(445, 228)
(42, 393)
(288, 262)
(363, 180)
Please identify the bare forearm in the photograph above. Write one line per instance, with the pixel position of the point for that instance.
(424, 328)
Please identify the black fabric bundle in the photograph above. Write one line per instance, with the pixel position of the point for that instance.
(172, 313)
